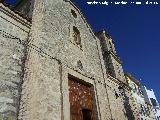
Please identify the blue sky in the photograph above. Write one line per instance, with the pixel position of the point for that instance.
(136, 32)
(11, 1)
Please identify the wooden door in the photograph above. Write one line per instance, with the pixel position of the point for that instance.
(81, 101)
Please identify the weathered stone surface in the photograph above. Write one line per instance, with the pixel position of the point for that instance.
(42, 98)
(40, 83)
(11, 60)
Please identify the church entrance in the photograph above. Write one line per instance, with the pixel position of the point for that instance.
(81, 101)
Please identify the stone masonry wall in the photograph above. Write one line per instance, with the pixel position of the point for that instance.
(12, 54)
(116, 100)
(57, 40)
(41, 90)
(39, 74)
(51, 32)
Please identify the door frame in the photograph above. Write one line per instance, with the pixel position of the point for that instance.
(67, 73)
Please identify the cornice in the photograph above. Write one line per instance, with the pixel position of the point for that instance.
(123, 84)
(133, 79)
(115, 56)
(6, 10)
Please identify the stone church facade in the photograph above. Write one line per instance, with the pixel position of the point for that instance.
(54, 67)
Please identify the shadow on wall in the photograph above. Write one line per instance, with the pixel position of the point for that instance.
(129, 112)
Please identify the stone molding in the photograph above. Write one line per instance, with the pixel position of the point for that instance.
(15, 16)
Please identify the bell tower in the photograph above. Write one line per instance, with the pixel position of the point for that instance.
(113, 63)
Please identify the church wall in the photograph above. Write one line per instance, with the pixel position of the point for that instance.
(41, 91)
(12, 54)
(51, 33)
(40, 68)
(57, 38)
(116, 100)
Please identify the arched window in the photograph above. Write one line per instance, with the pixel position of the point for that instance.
(76, 36)
(74, 13)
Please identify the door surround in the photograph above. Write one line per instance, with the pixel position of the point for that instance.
(67, 73)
